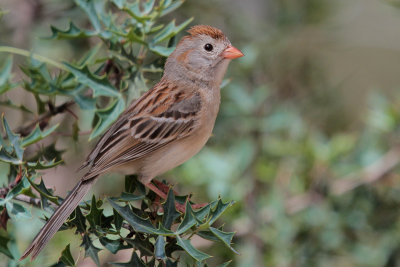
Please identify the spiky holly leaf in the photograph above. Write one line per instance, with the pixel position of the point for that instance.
(188, 221)
(36, 135)
(159, 248)
(72, 32)
(95, 214)
(225, 237)
(5, 75)
(23, 184)
(192, 251)
(138, 223)
(107, 116)
(66, 257)
(17, 211)
(112, 245)
(134, 261)
(145, 247)
(90, 250)
(169, 31)
(170, 213)
(79, 221)
(219, 209)
(4, 247)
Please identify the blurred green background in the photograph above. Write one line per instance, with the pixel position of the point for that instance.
(307, 139)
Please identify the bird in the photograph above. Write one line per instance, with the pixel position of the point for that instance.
(163, 128)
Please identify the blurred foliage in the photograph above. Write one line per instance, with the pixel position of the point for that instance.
(317, 184)
(131, 42)
(313, 171)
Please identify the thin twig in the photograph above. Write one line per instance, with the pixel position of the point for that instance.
(368, 175)
(34, 201)
(13, 50)
(26, 129)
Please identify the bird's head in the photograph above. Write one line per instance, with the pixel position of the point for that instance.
(203, 55)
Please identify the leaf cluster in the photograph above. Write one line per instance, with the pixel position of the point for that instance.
(128, 42)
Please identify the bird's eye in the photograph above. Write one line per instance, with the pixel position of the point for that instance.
(208, 47)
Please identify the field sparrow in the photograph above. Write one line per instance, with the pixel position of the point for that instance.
(163, 128)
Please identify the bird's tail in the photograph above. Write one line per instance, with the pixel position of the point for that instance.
(58, 218)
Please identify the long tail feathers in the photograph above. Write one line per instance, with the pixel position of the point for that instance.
(58, 218)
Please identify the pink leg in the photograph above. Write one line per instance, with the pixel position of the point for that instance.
(152, 187)
(163, 187)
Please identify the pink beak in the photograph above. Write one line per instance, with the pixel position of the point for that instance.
(231, 52)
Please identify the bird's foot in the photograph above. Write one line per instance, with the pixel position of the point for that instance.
(161, 190)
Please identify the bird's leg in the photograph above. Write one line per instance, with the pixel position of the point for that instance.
(180, 207)
(163, 187)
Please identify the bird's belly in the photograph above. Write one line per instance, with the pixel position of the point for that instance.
(171, 156)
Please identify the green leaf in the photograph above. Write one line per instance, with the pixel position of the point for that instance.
(169, 31)
(127, 197)
(89, 8)
(174, 5)
(100, 85)
(112, 245)
(145, 248)
(203, 213)
(89, 57)
(148, 6)
(66, 257)
(4, 247)
(23, 184)
(133, 9)
(5, 75)
(78, 93)
(187, 246)
(94, 216)
(208, 236)
(42, 165)
(135, 261)
(44, 200)
(90, 249)
(188, 221)
(5, 157)
(73, 32)
(159, 248)
(79, 221)
(221, 207)
(37, 135)
(10, 104)
(18, 211)
(44, 193)
(131, 36)
(107, 116)
(118, 220)
(138, 223)
(14, 139)
(170, 213)
(224, 264)
(225, 237)
(161, 50)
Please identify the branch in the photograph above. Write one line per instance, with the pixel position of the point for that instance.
(370, 174)
(53, 111)
(34, 201)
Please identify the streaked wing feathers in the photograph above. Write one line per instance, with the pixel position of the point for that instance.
(145, 127)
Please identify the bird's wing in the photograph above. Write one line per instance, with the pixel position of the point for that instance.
(162, 115)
